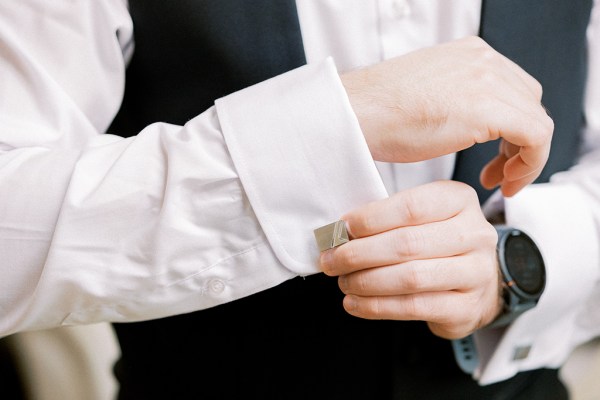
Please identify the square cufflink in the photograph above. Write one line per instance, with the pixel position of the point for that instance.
(331, 235)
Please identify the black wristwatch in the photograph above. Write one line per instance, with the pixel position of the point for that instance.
(523, 273)
(523, 281)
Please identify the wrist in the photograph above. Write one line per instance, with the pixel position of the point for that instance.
(362, 107)
(522, 278)
(377, 119)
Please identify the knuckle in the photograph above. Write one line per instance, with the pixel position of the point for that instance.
(489, 235)
(408, 243)
(412, 308)
(483, 234)
(467, 192)
(419, 308)
(359, 283)
(541, 129)
(484, 78)
(488, 56)
(361, 222)
(484, 276)
(407, 208)
(371, 308)
(414, 281)
(377, 307)
(348, 256)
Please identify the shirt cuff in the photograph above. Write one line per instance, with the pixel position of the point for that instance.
(301, 157)
(545, 335)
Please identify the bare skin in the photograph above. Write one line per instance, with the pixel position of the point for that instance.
(428, 253)
(414, 257)
(446, 98)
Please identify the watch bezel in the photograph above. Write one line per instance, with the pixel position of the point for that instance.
(509, 281)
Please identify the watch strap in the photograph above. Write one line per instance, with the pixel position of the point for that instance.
(510, 314)
(465, 353)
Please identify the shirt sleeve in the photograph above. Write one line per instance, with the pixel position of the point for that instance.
(94, 227)
(563, 218)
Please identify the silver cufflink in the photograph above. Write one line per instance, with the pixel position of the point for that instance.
(331, 235)
(521, 352)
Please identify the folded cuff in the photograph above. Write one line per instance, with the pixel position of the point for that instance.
(301, 156)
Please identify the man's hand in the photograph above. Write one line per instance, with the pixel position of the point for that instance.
(426, 253)
(446, 98)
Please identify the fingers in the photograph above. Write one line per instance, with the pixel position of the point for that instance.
(436, 201)
(440, 219)
(432, 275)
(396, 246)
(517, 166)
(511, 187)
(526, 134)
(436, 220)
(455, 314)
(435, 306)
(514, 113)
(424, 254)
(449, 314)
(525, 147)
(492, 173)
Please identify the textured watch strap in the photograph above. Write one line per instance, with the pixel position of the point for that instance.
(465, 353)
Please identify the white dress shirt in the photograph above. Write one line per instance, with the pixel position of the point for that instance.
(94, 227)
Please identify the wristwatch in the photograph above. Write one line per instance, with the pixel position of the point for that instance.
(523, 273)
(523, 281)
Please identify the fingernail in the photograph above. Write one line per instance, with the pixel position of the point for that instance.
(326, 259)
(350, 303)
(343, 282)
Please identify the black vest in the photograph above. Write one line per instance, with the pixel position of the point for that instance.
(295, 341)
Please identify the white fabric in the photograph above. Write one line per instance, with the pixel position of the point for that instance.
(323, 146)
(563, 216)
(98, 228)
(357, 33)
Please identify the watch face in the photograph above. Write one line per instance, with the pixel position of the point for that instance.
(524, 263)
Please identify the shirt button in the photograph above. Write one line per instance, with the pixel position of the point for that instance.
(216, 286)
(401, 8)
